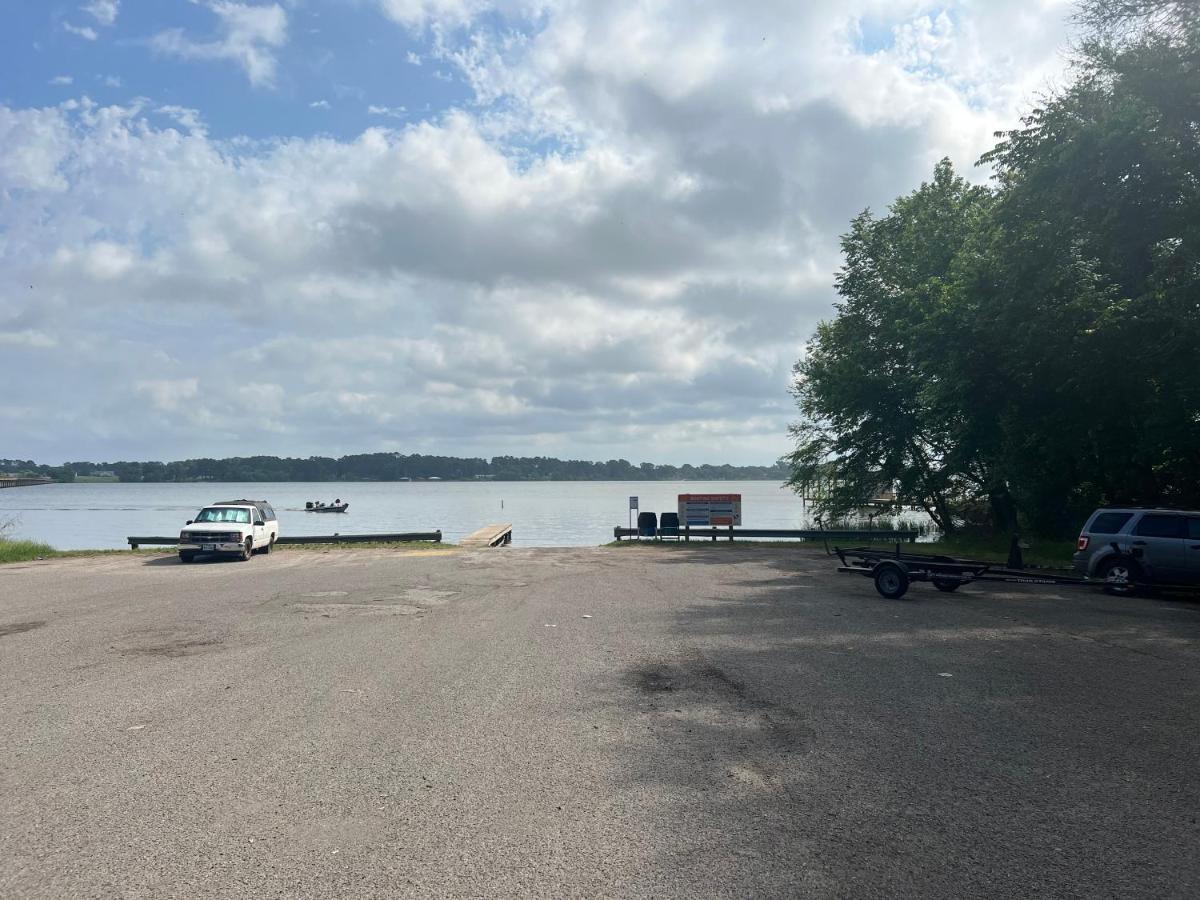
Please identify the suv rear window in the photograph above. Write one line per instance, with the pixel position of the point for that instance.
(1194, 529)
(1160, 526)
(1110, 523)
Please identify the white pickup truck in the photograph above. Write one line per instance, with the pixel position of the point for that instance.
(239, 527)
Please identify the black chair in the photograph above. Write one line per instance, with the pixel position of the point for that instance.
(668, 525)
(647, 525)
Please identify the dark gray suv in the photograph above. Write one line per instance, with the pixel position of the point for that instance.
(1130, 546)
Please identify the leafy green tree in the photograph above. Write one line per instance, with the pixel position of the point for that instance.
(1037, 346)
(870, 386)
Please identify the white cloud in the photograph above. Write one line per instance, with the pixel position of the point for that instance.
(319, 104)
(62, 80)
(249, 36)
(395, 112)
(640, 288)
(413, 59)
(28, 338)
(84, 31)
(112, 81)
(419, 13)
(103, 11)
(185, 116)
(33, 144)
(168, 395)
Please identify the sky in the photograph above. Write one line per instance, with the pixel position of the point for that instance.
(534, 227)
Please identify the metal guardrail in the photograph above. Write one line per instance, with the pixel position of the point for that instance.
(733, 533)
(396, 538)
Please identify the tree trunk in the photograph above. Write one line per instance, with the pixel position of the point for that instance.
(1003, 509)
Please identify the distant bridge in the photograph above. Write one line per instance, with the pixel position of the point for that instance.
(7, 481)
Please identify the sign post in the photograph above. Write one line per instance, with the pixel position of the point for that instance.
(633, 505)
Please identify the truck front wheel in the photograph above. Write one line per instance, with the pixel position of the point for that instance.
(248, 549)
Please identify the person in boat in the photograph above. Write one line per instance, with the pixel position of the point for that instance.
(337, 502)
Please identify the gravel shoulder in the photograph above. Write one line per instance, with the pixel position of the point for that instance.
(667, 722)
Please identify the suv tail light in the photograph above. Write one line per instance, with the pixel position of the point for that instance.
(1082, 543)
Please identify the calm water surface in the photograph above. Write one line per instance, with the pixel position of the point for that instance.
(544, 514)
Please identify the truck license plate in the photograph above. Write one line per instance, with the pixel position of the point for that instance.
(208, 546)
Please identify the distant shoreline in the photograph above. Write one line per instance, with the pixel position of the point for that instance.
(389, 467)
(91, 481)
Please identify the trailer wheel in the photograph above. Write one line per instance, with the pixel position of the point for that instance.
(891, 580)
(947, 586)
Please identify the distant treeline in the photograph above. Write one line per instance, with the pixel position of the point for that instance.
(394, 467)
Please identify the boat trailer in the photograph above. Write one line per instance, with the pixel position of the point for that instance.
(893, 572)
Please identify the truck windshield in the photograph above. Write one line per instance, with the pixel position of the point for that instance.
(216, 514)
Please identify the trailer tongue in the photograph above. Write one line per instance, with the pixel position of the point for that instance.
(893, 572)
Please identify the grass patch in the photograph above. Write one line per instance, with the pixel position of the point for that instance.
(12, 551)
(1041, 553)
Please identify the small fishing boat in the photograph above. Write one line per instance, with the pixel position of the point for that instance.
(318, 506)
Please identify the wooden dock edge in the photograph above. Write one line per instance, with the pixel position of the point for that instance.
(488, 536)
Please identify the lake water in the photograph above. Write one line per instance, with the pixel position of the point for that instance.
(544, 514)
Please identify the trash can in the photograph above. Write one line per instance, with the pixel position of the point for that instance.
(647, 524)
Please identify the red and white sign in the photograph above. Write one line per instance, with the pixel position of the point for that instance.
(703, 510)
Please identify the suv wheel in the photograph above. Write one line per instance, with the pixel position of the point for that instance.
(270, 545)
(248, 549)
(1120, 576)
(186, 557)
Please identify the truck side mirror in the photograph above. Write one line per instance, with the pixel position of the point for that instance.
(188, 522)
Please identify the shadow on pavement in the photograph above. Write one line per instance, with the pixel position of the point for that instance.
(812, 736)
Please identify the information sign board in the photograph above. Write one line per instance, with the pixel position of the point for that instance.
(703, 510)
(633, 502)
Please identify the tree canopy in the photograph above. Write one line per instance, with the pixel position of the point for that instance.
(1031, 348)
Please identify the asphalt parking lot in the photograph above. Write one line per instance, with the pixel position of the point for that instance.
(630, 722)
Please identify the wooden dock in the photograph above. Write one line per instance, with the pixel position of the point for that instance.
(488, 536)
